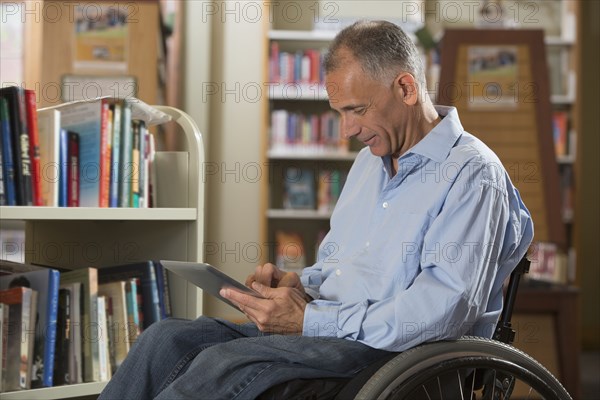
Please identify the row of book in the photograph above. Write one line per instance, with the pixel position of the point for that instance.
(301, 66)
(66, 327)
(564, 137)
(86, 153)
(295, 131)
(305, 188)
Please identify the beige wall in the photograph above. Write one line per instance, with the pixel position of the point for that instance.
(223, 92)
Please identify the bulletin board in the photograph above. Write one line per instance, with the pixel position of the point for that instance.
(498, 81)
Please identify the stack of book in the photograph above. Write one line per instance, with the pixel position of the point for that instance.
(87, 153)
(291, 131)
(66, 327)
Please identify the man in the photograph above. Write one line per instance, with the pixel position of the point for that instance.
(426, 229)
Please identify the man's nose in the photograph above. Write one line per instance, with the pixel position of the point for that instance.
(348, 126)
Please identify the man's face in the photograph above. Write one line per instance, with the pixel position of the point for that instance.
(369, 111)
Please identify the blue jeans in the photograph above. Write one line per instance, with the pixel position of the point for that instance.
(215, 359)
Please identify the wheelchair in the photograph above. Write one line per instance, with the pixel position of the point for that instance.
(470, 368)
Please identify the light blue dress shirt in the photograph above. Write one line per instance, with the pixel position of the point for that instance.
(422, 255)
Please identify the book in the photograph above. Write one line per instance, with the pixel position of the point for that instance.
(290, 254)
(125, 150)
(113, 197)
(2, 198)
(63, 338)
(146, 273)
(15, 97)
(4, 309)
(8, 169)
(21, 301)
(74, 332)
(299, 188)
(106, 159)
(34, 146)
(45, 282)
(88, 277)
(162, 284)
(560, 125)
(73, 171)
(105, 369)
(134, 199)
(49, 137)
(115, 293)
(133, 318)
(87, 118)
(104, 162)
(63, 165)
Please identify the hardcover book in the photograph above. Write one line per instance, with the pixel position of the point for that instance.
(146, 273)
(17, 374)
(88, 120)
(88, 277)
(49, 136)
(8, 168)
(15, 100)
(45, 282)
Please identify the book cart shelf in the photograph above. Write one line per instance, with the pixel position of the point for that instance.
(95, 237)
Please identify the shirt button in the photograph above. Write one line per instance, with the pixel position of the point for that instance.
(338, 272)
(367, 244)
(385, 204)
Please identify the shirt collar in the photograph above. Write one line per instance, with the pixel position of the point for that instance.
(437, 144)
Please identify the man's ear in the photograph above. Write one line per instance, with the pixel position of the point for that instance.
(406, 85)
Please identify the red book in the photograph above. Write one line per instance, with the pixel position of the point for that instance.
(73, 170)
(34, 146)
(105, 154)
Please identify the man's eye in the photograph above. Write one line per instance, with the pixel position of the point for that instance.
(359, 111)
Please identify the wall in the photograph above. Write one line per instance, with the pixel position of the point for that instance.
(224, 70)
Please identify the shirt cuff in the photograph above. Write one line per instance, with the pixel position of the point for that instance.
(321, 319)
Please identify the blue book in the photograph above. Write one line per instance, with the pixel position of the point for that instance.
(46, 282)
(63, 166)
(87, 119)
(145, 272)
(8, 168)
(163, 290)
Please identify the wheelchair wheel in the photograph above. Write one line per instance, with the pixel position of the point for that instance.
(468, 368)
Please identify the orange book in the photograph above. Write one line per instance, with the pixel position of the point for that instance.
(34, 146)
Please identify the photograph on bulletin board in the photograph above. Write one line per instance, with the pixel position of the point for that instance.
(493, 77)
(101, 37)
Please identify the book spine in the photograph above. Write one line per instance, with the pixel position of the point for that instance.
(8, 170)
(63, 338)
(73, 170)
(51, 326)
(2, 196)
(63, 152)
(115, 154)
(134, 200)
(104, 172)
(34, 147)
(125, 175)
(21, 152)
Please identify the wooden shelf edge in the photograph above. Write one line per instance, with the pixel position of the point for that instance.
(57, 392)
(26, 213)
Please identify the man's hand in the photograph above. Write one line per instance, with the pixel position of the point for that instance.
(271, 276)
(281, 311)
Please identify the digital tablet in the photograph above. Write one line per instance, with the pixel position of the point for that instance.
(208, 278)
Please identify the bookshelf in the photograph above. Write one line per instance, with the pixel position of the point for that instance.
(86, 237)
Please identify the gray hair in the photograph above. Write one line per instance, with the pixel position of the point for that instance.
(382, 48)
